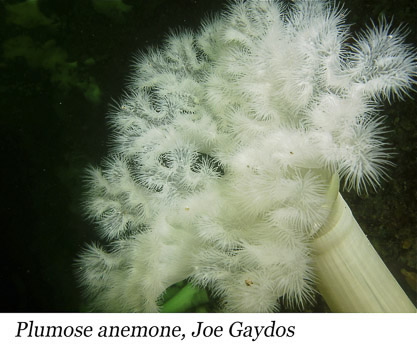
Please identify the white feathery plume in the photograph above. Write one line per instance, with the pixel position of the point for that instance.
(222, 152)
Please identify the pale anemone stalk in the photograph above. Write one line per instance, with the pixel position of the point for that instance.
(228, 148)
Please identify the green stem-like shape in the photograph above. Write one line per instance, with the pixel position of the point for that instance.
(187, 298)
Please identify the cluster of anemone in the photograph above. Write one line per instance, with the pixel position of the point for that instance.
(223, 147)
